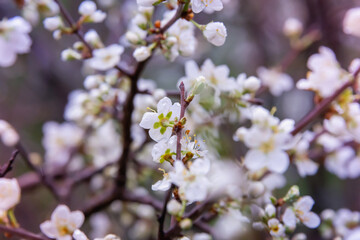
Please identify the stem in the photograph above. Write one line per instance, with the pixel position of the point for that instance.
(20, 232)
(322, 106)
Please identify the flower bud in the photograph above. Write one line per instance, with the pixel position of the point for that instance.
(132, 37)
(270, 210)
(10, 137)
(256, 189)
(53, 23)
(292, 28)
(93, 38)
(292, 194)
(259, 226)
(199, 85)
(92, 81)
(69, 54)
(186, 223)
(252, 84)
(142, 53)
(173, 207)
(215, 33)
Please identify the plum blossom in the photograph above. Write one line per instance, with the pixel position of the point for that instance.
(8, 134)
(326, 75)
(142, 53)
(161, 122)
(293, 27)
(268, 140)
(301, 212)
(215, 33)
(276, 81)
(304, 164)
(180, 39)
(63, 223)
(106, 58)
(192, 182)
(90, 13)
(350, 23)
(14, 39)
(9, 194)
(200, 5)
(276, 228)
(164, 150)
(59, 141)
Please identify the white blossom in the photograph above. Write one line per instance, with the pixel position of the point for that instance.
(161, 122)
(276, 228)
(14, 39)
(63, 223)
(326, 75)
(90, 13)
(53, 23)
(200, 5)
(301, 212)
(350, 23)
(192, 182)
(106, 58)
(142, 53)
(293, 27)
(215, 33)
(276, 81)
(9, 194)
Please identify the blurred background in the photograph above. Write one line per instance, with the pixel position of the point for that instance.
(36, 88)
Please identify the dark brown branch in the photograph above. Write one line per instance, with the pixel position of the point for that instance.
(9, 165)
(20, 232)
(48, 182)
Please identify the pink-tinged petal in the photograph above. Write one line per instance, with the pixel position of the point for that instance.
(255, 159)
(311, 220)
(148, 120)
(77, 217)
(164, 105)
(48, 229)
(289, 218)
(304, 204)
(217, 5)
(278, 161)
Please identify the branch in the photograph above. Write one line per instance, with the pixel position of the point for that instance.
(20, 232)
(8, 166)
(319, 109)
(79, 34)
(48, 182)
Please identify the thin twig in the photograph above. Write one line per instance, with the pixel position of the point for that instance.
(9, 165)
(20, 232)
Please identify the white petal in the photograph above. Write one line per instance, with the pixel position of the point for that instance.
(77, 217)
(289, 218)
(278, 161)
(48, 229)
(311, 220)
(164, 105)
(255, 159)
(148, 120)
